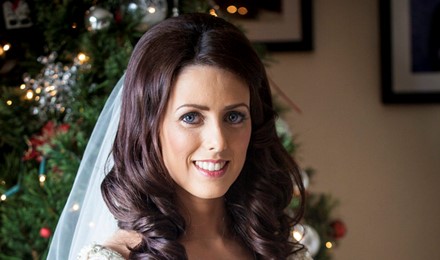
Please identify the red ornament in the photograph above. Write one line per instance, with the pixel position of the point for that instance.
(339, 229)
(45, 232)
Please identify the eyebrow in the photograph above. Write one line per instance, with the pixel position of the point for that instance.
(207, 108)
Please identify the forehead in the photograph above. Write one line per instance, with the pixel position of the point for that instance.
(208, 85)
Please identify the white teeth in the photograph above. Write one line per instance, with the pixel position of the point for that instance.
(210, 166)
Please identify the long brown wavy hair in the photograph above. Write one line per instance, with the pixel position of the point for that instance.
(139, 190)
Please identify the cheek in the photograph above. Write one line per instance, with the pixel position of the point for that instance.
(241, 142)
(175, 144)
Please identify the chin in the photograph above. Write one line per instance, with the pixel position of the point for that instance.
(209, 194)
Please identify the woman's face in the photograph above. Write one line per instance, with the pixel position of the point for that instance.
(206, 130)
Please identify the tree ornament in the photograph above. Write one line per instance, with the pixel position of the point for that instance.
(151, 11)
(305, 179)
(307, 236)
(45, 232)
(338, 229)
(16, 14)
(51, 90)
(97, 18)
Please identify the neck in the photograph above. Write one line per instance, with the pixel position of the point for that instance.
(205, 218)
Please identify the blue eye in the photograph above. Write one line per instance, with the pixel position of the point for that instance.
(191, 118)
(235, 117)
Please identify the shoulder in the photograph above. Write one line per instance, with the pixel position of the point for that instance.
(115, 248)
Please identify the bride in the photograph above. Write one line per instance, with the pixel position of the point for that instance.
(186, 156)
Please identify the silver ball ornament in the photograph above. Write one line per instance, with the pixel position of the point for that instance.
(305, 179)
(98, 18)
(307, 236)
(151, 11)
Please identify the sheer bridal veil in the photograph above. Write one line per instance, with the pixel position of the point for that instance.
(85, 219)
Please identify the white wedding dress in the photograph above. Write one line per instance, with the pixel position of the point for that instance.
(98, 252)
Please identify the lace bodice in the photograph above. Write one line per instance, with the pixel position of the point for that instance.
(98, 252)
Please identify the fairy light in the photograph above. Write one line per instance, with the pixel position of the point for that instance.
(14, 189)
(329, 245)
(232, 9)
(49, 89)
(29, 94)
(212, 12)
(38, 90)
(22, 86)
(82, 58)
(6, 47)
(9, 102)
(242, 10)
(42, 178)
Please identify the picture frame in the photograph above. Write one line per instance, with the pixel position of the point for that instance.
(289, 30)
(408, 73)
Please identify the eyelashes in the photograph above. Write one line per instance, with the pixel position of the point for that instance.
(191, 118)
(231, 117)
(235, 117)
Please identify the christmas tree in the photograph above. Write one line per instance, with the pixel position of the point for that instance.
(57, 69)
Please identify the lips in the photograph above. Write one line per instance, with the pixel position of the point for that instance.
(212, 168)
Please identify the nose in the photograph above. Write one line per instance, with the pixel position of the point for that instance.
(216, 138)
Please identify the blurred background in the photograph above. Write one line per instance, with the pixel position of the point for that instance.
(381, 161)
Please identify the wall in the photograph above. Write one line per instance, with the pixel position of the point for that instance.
(382, 162)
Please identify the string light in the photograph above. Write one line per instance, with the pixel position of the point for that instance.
(232, 9)
(42, 178)
(22, 86)
(9, 102)
(329, 245)
(10, 192)
(29, 94)
(212, 12)
(82, 58)
(242, 10)
(41, 171)
(6, 47)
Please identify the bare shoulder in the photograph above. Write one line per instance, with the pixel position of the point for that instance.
(122, 240)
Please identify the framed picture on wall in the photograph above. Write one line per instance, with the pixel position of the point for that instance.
(281, 25)
(410, 51)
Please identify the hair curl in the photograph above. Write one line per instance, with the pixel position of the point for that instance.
(139, 191)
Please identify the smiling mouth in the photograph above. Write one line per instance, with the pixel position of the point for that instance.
(212, 169)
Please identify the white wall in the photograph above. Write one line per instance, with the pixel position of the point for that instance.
(381, 162)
